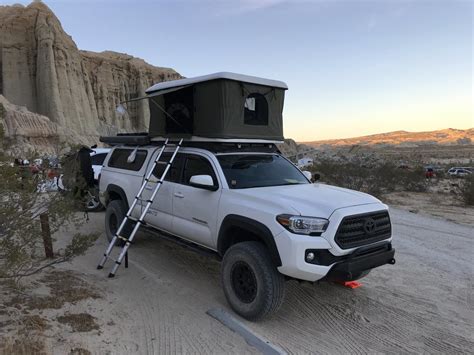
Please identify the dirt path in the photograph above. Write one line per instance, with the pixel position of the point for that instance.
(422, 304)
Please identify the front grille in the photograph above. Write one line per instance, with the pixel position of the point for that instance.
(363, 229)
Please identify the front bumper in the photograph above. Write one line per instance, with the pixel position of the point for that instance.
(293, 249)
(362, 259)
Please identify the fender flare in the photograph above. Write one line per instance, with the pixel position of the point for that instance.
(259, 229)
(118, 190)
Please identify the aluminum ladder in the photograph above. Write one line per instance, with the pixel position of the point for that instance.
(139, 222)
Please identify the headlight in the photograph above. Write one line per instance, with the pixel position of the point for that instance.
(303, 225)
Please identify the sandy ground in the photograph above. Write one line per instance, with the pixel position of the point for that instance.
(423, 303)
(442, 205)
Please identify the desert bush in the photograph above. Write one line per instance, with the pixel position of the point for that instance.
(467, 190)
(374, 179)
(21, 242)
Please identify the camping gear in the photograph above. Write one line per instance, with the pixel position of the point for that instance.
(220, 106)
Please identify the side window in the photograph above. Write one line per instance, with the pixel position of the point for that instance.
(98, 159)
(197, 165)
(175, 172)
(256, 110)
(119, 159)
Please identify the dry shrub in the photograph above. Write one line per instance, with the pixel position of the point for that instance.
(35, 323)
(467, 190)
(375, 180)
(26, 345)
(64, 286)
(79, 322)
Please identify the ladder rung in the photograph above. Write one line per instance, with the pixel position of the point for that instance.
(124, 239)
(163, 162)
(151, 181)
(136, 220)
(142, 200)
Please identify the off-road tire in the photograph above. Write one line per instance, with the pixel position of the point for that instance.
(117, 210)
(254, 259)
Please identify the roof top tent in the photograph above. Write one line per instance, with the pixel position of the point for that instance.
(221, 106)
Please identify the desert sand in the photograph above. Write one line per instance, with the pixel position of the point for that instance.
(158, 305)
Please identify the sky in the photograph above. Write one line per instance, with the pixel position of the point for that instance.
(352, 67)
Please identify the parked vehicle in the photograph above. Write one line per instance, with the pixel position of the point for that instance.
(304, 163)
(263, 217)
(230, 191)
(97, 159)
(459, 172)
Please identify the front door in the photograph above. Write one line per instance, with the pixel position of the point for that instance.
(195, 209)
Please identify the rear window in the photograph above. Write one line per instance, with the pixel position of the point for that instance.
(98, 159)
(256, 110)
(119, 159)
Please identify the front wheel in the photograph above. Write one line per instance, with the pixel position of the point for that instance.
(252, 285)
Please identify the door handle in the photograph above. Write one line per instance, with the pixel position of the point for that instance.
(178, 194)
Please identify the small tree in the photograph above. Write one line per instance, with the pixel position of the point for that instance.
(21, 250)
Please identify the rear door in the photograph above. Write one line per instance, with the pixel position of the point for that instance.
(195, 209)
(160, 213)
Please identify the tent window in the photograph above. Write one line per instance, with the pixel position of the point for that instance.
(256, 110)
(180, 105)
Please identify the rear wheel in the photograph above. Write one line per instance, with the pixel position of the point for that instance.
(252, 285)
(114, 215)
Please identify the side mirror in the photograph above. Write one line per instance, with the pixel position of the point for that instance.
(316, 177)
(308, 175)
(203, 182)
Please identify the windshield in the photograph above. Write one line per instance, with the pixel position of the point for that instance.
(259, 170)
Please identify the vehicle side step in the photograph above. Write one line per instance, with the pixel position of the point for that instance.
(184, 243)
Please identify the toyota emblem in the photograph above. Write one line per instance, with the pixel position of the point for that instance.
(369, 225)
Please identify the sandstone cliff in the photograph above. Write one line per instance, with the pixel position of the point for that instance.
(27, 131)
(42, 69)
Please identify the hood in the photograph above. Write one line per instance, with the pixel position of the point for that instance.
(316, 200)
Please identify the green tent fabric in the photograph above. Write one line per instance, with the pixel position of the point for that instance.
(218, 108)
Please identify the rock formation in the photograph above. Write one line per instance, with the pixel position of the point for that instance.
(27, 131)
(42, 69)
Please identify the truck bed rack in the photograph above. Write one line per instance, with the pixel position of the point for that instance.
(211, 144)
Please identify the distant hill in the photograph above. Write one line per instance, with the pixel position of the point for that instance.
(448, 136)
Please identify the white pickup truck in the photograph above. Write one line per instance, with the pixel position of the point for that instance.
(260, 214)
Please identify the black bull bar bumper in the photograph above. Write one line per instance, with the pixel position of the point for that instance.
(361, 260)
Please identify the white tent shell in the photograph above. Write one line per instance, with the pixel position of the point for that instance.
(220, 75)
